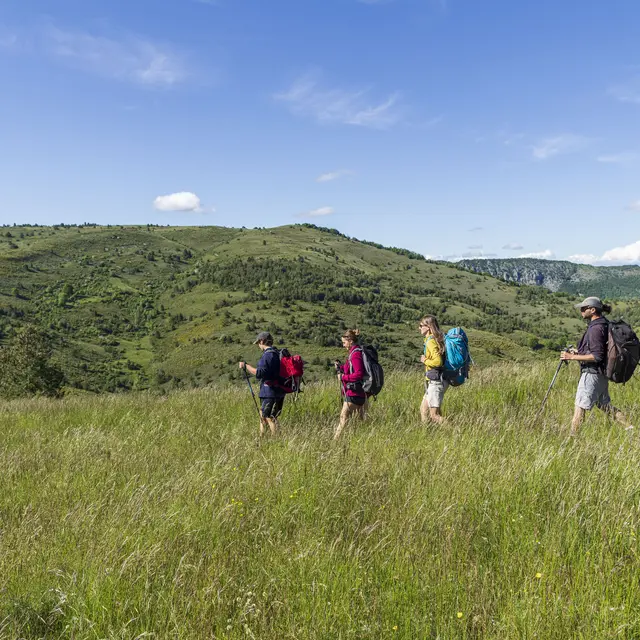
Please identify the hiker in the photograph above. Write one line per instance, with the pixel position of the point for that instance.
(593, 388)
(351, 376)
(268, 372)
(433, 359)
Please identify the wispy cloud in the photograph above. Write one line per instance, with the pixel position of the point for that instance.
(133, 59)
(334, 175)
(307, 98)
(443, 5)
(625, 157)
(547, 254)
(513, 246)
(634, 206)
(472, 254)
(476, 229)
(627, 91)
(8, 40)
(316, 213)
(558, 145)
(627, 254)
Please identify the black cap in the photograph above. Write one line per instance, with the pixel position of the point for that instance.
(263, 336)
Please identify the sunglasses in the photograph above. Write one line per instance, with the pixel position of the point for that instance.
(583, 309)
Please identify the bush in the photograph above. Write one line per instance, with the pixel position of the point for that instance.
(25, 367)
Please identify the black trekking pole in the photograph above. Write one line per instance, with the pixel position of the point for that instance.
(336, 365)
(553, 381)
(253, 395)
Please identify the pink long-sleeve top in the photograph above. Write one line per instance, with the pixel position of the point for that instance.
(353, 371)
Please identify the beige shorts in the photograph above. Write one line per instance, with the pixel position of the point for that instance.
(434, 392)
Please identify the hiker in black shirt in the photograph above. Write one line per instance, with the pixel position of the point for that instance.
(271, 391)
(593, 388)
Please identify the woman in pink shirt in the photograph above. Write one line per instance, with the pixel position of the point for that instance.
(351, 375)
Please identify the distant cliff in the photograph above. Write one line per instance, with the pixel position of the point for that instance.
(556, 275)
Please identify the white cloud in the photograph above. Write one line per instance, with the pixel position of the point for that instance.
(558, 145)
(625, 157)
(513, 246)
(547, 254)
(129, 59)
(333, 175)
(634, 206)
(316, 213)
(472, 254)
(133, 59)
(340, 106)
(627, 254)
(8, 40)
(583, 258)
(182, 201)
(627, 91)
(476, 229)
(474, 246)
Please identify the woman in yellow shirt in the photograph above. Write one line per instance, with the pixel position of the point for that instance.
(433, 360)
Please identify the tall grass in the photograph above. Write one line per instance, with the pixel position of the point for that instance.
(138, 516)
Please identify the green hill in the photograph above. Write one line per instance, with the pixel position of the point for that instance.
(137, 307)
(557, 275)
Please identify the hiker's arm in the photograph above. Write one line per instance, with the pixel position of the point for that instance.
(433, 359)
(248, 367)
(567, 355)
(268, 367)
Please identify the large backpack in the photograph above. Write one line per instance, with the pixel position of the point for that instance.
(291, 371)
(623, 352)
(457, 358)
(374, 376)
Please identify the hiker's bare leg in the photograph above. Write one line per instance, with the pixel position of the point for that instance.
(273, 425)
(578, 418)
(344, 417)
(435, 414)
(424, 409)
(363, 410)
(262, 423)
(616, 414)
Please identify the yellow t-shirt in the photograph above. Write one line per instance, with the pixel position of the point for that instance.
(432, 355)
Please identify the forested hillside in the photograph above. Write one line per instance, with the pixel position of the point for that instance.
(137, 307)
(557, 275)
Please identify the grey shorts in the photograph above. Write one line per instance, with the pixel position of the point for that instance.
(434, 392)
(593, 390)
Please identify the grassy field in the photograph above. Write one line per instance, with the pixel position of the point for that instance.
(141, 516)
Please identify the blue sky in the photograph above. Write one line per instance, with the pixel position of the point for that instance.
(450, 127)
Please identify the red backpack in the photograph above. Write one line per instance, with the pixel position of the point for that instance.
(291, 371)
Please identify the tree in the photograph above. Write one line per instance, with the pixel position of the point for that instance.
(26, 367)
(65, 294)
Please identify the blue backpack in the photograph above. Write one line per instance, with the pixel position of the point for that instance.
(457, 358)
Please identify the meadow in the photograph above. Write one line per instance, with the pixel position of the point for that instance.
(148, 516)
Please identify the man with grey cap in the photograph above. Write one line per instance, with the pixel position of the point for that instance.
(268, 372)
(593, 388)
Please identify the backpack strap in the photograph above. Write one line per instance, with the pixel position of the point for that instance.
(349, 358)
